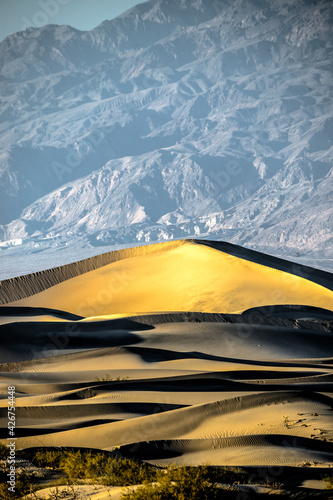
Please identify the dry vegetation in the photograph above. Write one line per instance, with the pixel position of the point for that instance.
(74, 467)
(71, 468)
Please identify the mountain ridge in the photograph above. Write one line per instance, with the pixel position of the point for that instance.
(216, 122)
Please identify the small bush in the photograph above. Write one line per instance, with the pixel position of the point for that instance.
(107, 378)
(22, 487)
(329, 482)
(73, 464)
(4, 451)
(179, 483)
(93, 466)
(48, 458)
(125, 472)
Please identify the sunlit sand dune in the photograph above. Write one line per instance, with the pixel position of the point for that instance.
(186, 352)
(184, 277)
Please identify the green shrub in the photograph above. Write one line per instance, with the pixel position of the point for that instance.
(94, 467)
(73, 464)
(125, 472)
(48, 458)
(329, 482)
(107, 378)
(180, 483)
(4, 493)
(94, 463)
(22, 487)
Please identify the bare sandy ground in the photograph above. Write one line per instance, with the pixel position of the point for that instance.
(186, 352)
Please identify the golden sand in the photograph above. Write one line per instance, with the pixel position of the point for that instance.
(189, 277)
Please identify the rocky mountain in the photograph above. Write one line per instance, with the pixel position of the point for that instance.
(179, 118)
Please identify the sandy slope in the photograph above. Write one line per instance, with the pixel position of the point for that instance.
(186, 277)
(238, 389)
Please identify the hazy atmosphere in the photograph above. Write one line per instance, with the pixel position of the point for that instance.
(17, 15)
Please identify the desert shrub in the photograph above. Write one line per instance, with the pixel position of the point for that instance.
(107, 378)
(329, 482)
(4, 451)
(48, 458)
(73, 464)
(180, 483)
(22, 487)
(4, 454)
(94, 464)
(95, 467)
(124, 472)
(4, 493)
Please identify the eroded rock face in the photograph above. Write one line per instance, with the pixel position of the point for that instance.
(176, 119)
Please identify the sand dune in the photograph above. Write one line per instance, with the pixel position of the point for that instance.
(185, 352)
(25, 286)
(203, 278)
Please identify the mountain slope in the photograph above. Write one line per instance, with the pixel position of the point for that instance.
(172, 120)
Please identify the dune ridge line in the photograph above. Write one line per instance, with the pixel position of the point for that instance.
(21, 287)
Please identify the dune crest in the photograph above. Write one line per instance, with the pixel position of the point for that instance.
(180, 276)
